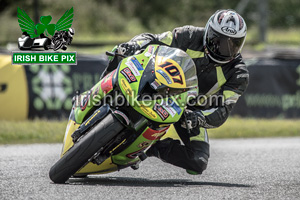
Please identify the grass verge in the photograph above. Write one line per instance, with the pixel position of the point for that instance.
(246, 128)
(36, 131)
(45, 131)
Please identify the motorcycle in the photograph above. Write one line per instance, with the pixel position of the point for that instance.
(102, 136)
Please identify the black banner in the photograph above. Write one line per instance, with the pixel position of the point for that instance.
(52, 87)
(273, 91)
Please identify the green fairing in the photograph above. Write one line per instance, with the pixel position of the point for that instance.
(180, 99)
(139, 145)
(139, 106)
(96, 95)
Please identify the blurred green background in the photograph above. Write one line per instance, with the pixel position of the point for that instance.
(104, 23)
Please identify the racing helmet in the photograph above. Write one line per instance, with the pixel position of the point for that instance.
(71, 32)
(224, 37)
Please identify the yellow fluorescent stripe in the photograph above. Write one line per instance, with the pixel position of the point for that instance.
(201, 137)
(166, 38)
(221, 80)
(228, 94)
(171, 133)
(209, 111)
(195, 54)
(140, 42)
(220, 76)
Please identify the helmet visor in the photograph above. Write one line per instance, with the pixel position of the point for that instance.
(222, 47)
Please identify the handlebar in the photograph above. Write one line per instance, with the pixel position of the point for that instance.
(108, 53)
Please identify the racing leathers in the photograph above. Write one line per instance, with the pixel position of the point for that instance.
(220, 86)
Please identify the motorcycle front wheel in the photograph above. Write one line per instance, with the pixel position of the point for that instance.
(79, 154)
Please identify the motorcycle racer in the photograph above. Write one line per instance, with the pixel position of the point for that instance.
(216, 51)
(65, 37)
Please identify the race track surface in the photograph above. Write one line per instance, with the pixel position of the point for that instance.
(238, 169)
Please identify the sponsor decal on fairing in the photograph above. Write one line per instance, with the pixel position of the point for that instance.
(136, 63)
(128, 75)
(163, 114)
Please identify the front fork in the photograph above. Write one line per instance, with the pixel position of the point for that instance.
(97, 116)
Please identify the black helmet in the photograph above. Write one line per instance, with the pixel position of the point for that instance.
(224, 37)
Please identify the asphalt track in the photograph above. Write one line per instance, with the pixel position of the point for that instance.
(238, 169)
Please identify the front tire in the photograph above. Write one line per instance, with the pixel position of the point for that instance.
(85, 148)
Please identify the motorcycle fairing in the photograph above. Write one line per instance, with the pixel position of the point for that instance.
(130, 155)
(88, 99)
(142, 68)
(154, 110)
(127, 157)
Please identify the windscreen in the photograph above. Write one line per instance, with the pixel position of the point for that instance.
(175, 73)
(175, 68)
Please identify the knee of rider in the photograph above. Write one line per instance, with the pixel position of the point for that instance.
(200, 157)
(200, 161)
(201, 147)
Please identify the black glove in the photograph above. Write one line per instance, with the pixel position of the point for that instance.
(128, 49)
(193, 119)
